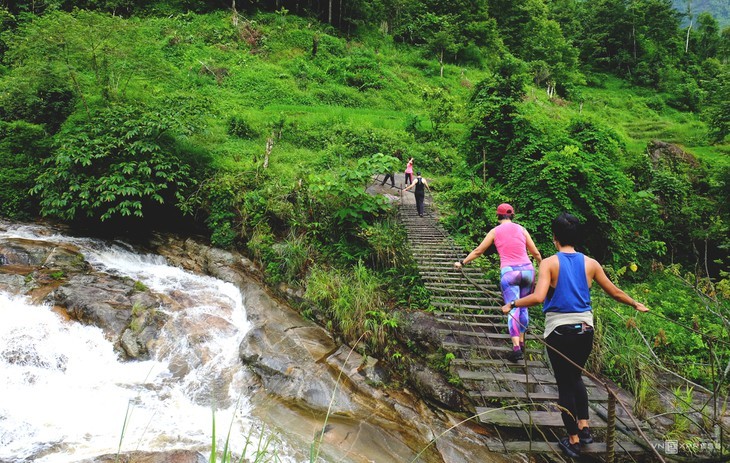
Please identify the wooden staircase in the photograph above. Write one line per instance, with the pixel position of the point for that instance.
(518, 399)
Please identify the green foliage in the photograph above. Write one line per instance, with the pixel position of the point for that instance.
(387, 241)
(118, 165)
(40, 98)
(22, 146)
(493, 106)
(440, 107)
(346, 298)
(676, 329)
(241, 128)
(718, 108)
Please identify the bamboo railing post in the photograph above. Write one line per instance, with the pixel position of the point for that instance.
(611, 428)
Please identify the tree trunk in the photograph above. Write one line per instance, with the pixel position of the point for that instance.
(269, 148)
(689, 28)
(441, 62)
(484, 165)
(329, 12)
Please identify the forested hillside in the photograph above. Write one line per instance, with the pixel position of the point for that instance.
(259, 124)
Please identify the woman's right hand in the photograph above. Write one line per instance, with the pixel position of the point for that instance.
(641, 307)
(457, 265)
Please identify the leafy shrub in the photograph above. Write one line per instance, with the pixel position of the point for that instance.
(118, 165)
(656, 103)
(39, 98)
(596, 80)
(686, 96)
(335, 95)
(22, 146)
(241, 128)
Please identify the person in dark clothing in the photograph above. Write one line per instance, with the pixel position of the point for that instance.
(392, 180)
(421, 185)
(563, 283)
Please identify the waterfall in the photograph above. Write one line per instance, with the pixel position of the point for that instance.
(67, 396)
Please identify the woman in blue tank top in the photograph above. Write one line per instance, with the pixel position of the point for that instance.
(564, 282)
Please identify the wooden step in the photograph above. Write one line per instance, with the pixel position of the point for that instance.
(469, 315)
(446, 251)
(593, 395)
(496, 363)
(550, 447)
(457, 346)
(480, 375)
(487, 308)
(520, 418)
(459, 287)
(488, 320)
(447, 298)
(481, 334)
(451, 273)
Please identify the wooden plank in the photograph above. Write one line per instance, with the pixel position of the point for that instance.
(593, 395)
(476, 316)
(480, 375)
(520, 418)
(481, 334)
(486, 322)
(455, 288)
(550, 447)
(456, 298)
(454, 346)
(493, 308)
(498, 363)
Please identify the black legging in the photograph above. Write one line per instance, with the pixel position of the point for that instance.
(419, 203)
(572, 395)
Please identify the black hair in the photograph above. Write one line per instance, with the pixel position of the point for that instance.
(509, 216)
(566, 229)
(418, 173)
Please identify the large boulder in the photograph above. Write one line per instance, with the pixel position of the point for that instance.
(669, 156)
(127, 312)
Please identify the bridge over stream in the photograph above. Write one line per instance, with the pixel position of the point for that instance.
(517, 400)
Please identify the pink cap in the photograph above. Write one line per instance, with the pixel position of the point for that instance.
(504, 209)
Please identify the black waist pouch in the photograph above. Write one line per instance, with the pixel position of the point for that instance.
(573, 328)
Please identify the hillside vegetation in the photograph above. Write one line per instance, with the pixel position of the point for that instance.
(262, 127)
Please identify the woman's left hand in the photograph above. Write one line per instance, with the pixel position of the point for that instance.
(506, 308)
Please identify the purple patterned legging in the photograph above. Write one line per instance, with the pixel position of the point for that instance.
(517, 281)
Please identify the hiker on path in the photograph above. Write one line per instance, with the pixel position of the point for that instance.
(517, 273)
(392, 180)
(409, 172)
(420, 185)
(564, 284)
(397, 153)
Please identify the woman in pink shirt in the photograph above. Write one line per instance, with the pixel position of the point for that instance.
(517, 273)
(409, 172)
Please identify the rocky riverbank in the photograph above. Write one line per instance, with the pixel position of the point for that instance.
(304, 383)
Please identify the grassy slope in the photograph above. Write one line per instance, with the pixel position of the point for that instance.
(624, 108)
(282, 81)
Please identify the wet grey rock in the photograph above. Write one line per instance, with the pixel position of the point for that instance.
(173, 456)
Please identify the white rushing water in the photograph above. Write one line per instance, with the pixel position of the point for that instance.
(66, 395)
